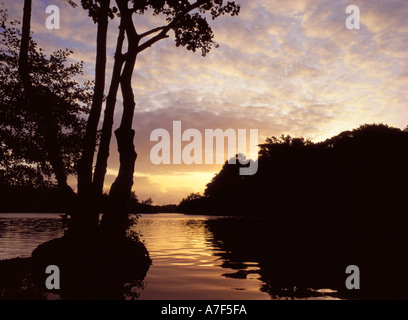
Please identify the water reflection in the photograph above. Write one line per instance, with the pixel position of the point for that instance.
(194, 257)
(187, 263)
(278, 267)
(21, 233)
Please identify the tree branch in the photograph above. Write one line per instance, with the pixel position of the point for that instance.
(165, 29)
(148, 33)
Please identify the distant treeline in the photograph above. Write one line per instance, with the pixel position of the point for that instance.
(365, 169)
(47, 199)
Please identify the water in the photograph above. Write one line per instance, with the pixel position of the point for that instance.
(188, 263)
(21, 233)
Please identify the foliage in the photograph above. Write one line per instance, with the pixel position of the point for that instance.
(360, 170)
(192, 30)
(23, 157)
(187, 19)
(94, 9)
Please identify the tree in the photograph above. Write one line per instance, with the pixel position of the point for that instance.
(188, 21)
(24, 156)
(361, 170)
(41, 106)
(192, 31)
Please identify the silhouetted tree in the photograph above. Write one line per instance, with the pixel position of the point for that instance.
(362, 169)
(41, 106)
(191, 30)
(24, 156)
(194, 203)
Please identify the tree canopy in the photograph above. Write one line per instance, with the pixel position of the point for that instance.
(23, 157)
(360, 170)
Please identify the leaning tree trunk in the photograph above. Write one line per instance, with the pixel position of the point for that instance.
(103, 150)
(115, 220)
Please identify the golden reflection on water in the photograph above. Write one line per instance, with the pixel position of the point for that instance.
(187, 264)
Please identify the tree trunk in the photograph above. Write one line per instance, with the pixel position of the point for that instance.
(85, 165)
(103, 150)
(86, 219)
(25, 41)
(115, 221)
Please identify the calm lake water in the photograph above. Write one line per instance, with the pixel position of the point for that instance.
(21, 233)
(187, 263)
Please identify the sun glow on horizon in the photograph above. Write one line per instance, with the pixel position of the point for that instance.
(167, 188)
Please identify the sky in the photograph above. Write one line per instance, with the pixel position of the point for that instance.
(282, 67)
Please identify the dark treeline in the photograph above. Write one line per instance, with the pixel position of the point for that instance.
(316, 208)
(48, 199)
(363, 170)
